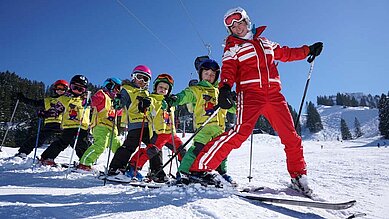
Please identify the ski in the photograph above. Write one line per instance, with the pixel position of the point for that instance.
(313, 204)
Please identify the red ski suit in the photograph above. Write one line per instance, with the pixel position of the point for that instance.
(251, 65)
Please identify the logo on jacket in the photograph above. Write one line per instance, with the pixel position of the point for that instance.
(209, 105)
(73, 112)
(111, 115)
(166, 117)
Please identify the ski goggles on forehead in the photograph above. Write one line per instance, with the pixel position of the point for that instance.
(141, 77)
(234, 17)
(167, 77)
(77, 88)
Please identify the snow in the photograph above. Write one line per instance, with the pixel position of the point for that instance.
(337, 171)
(330, 117)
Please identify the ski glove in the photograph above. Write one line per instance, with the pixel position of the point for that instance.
(170, 100)
(144, 103)
(314, 50)
(116, 102)
(41, 114)
(225, 99)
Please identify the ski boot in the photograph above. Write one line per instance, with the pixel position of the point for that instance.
(131, 174)
(300, 183)
(182, 178)
(230, 180)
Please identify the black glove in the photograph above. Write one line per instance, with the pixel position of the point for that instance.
(144, 103)
(170, 100)
(225, 100)
(116, 102)
(41, 114)
(314, 50)
(234, 96)
(193, 82)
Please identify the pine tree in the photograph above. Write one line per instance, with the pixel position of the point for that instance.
(313, 123)
(357, 127)
(294, 117)
(363, 102)
(345, 131)
(264, 125)
(383, 114)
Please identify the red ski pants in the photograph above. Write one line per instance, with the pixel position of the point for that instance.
(157, 142)
(250, 105)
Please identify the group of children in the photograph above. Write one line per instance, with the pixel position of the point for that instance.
(249, 62)
(149, 118)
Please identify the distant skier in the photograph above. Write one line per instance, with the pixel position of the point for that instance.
(249, 62)
(52, 124)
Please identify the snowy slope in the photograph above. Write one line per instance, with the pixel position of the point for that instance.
(330, 117)
(341, 171)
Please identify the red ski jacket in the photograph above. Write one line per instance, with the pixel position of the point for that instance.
(251, 63)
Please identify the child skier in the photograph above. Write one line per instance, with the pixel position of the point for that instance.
(52, 124)
(71, 105)
(134, 100)
(204, 97)
(161, 126)
(105, 111)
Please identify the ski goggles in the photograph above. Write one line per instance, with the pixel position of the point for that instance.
(60, 88)
(210, 65)
(141, 77)
(117, 88)
(234, 17)
(166, 77)
(78, 88)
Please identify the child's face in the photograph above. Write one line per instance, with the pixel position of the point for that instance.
(162, 88)
(239, 28)
(141, 80)
(208, 75)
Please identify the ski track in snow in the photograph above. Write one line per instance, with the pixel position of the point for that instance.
(340, 171)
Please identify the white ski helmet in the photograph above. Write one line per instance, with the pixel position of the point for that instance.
(236, 15)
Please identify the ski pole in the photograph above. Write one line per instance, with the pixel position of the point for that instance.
(171, 164)
(140, 140)
(110, 145)
(78, 132)
(36, 142)
(10, 121)
(190, 139)
(305, 92)
(251, 155)
(172, 130)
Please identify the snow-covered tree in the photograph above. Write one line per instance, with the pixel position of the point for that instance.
(345, 131)
(357, 128)
(383, 107)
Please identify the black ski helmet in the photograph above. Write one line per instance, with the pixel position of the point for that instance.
(209, 64)
(79, 79)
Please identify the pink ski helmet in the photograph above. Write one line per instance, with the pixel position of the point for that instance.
(142, 70)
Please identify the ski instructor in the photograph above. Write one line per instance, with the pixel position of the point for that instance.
(249, 62)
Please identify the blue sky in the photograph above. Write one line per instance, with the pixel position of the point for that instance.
(46, 40)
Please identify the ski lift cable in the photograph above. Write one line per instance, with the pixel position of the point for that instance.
(206, 45)
(147, 28)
